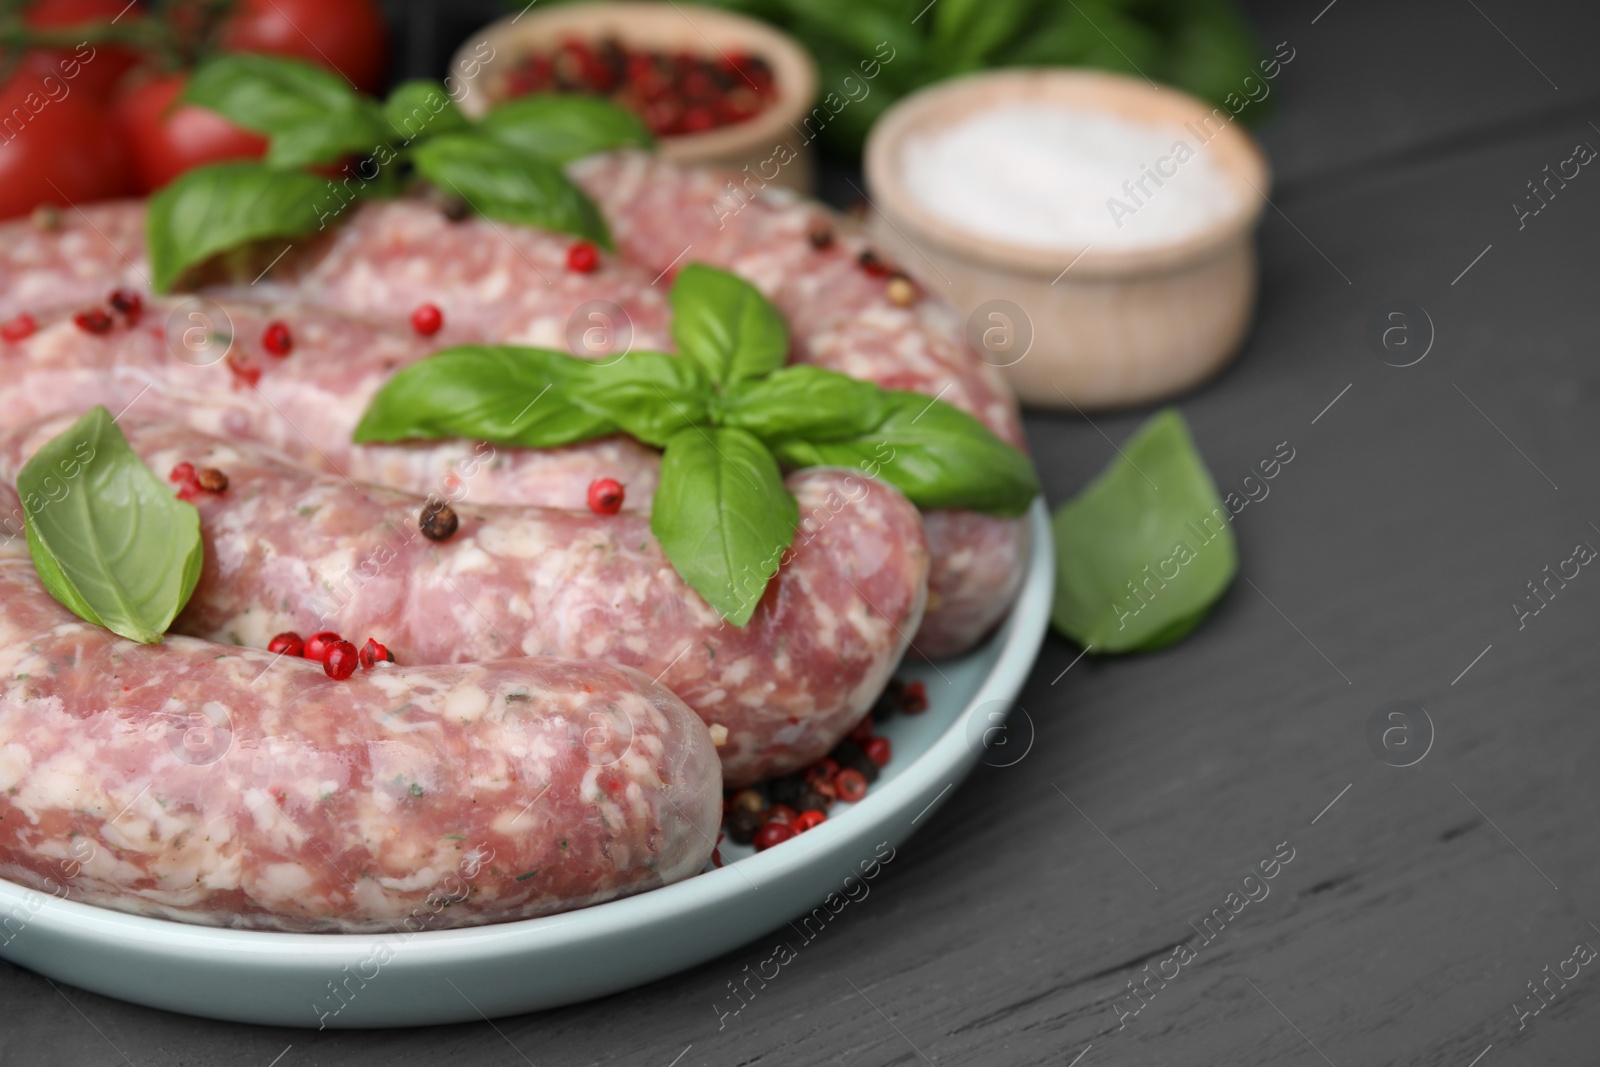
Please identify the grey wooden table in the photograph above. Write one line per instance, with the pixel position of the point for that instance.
(1384, 565)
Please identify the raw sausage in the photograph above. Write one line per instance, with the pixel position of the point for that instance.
(292, 549)
(227, 786)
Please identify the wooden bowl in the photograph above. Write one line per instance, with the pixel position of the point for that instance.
(1108, 327)
(671, 27)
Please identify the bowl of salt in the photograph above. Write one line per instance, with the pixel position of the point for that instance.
(1097, 231)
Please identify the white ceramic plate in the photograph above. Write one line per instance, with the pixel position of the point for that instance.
(441, 976)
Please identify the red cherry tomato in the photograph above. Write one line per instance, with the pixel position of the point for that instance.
(56, 146)
(167, 138)
(344, 35)
(93, 68)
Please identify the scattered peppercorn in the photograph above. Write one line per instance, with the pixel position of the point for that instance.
(820, 797)
(47, 217)
(339, 662)
(852, 785)
(820, 235)
(277, 340)
(18, 328)
(438, 521)
(774, 833)
(287, 643)
(211, 480)
(245, 371)
(743, 825)
(808, 820)
(583, 257)
(427, 320)
(183, 476)
(373, 653)
(900, 291)
(748, 800)
(914, 698)
(127, 303)
(852, 757)
(605, 496)
(455, 208)
(779, 813)
(874, 266)
(821, 771)
(317, 644)
(786, 790)
(672, 92)
(863, 731)
(878, 750)
(95, 320)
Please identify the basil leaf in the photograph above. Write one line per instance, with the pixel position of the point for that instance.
(1138, 564)
(967, 32)
(212, 209)
(723, 323)
(108, 539)
(509, 184)
(723, 516)
(311, 114)
(499, 393)
(805, 402)
(937, 455)
(564, 127)
(651, 395)
(422, 106)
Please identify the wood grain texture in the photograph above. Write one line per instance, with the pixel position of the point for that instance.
(1384, 560)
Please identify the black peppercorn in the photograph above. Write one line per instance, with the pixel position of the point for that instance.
(438, 521)
(743, 825)
(811, 800)
(787, 790)
(849, 754)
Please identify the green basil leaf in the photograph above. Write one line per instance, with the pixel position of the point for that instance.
(1146, 549)
(509, 184)
(723, 516)
(970, 31)
(108, 539)
(723, 323)
(212, 209)
(651, 395)
(311, 115)
(422, 107)
(563, 127)
(1212, 53)
(937, 455)
(805, 402)
(498, 393)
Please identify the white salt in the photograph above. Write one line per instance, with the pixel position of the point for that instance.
(1064, 178)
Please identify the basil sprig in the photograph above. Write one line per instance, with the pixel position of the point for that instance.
(1146, 549)
(507, 166)
(727, 414)
(108, 539)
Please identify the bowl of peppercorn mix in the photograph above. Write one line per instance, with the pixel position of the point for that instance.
(714, 88)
